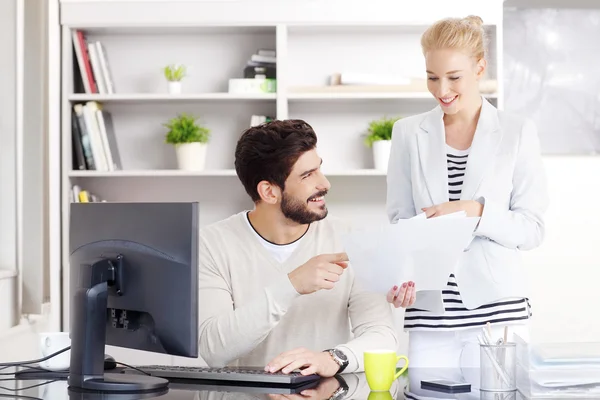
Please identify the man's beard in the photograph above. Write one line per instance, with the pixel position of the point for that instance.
(296, 210)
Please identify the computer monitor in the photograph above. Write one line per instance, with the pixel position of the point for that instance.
(134, 284)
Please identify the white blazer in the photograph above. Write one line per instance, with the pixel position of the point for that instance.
(504, 172)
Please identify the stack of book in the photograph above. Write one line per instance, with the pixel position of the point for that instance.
(262, 65)
(92, 74)
(80, 195)
(260, 74)
(93, 139)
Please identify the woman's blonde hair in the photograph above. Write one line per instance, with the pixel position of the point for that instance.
(465, 34)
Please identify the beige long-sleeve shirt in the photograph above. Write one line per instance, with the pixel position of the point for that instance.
(250, 312)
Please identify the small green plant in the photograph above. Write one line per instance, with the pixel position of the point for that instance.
(174, 72)
(184, 129)
(380, 129)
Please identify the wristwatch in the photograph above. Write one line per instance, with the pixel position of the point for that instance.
(340, 358)
(341, 392)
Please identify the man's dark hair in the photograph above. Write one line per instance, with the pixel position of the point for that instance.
(269, 151)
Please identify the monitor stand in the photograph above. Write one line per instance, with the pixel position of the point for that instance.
(88, 336)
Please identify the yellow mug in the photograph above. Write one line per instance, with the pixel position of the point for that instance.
(380, 396)
(380, 368)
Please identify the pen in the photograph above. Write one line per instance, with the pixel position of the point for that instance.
(486, 339)
(503, 350)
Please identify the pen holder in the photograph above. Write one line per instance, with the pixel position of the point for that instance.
(498, 367)
(499, 395)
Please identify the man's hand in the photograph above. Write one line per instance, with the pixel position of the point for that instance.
(320, 272)
(320, 363)
(471, 207)
(324, 390)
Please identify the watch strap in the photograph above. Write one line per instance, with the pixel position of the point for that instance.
(343, 363)
(341, 391)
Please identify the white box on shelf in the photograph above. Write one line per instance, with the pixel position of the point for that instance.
(253, 85)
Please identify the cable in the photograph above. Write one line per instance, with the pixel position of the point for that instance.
(19, 396)
(27, 367)
(134, 368)
(27, 387)
(21, 363)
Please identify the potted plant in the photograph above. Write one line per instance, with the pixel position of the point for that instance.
(174, 74)
(379, 137)
(190, 140)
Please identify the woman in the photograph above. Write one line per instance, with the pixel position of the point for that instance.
(465, 155)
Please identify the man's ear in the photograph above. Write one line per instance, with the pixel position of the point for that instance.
(268, 192)
(480, 68)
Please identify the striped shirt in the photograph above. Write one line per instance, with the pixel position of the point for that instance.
(456, 315)
(457, 165)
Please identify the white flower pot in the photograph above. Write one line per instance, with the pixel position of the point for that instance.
(174, 87)
(191, 156)
(381, 154)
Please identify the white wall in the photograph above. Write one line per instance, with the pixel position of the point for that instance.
(33, 257)
(7, 133)
(8, 299)
(8, 296)
(564, 272)
(22, 162)
(552, 3)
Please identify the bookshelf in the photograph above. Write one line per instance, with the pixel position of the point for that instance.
(155, 173)
(415, 96)
(138, 46)
(158, 97)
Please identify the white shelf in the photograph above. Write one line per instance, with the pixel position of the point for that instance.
(355, 172)
(141, 98)
(155, 173)
(366, 96)
(160, 97)
(151, 173)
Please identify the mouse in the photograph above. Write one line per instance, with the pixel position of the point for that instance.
(109, 362)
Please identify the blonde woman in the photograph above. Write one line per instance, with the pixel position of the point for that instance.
(465, 155)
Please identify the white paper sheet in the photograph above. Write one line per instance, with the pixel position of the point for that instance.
(421, 250)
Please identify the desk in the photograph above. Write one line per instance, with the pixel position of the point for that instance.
(358, 389)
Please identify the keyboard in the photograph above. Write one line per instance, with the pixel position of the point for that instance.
(239, 387)
(249, 375)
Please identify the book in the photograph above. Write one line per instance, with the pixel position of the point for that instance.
(84, 137)
(263, 59)
(83, 61)
(78, 151)
(91, 122)
(260, 71)
(109, 141)
(106, 73)
(266, 52)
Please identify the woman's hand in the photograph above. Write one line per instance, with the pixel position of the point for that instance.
(405, 297)
(471, 207)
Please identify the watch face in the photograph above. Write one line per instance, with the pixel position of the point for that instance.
(340, 355)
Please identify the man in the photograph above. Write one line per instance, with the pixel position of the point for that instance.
(275, 287)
